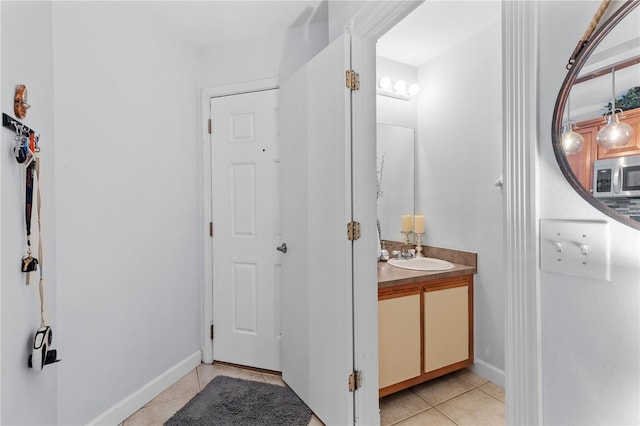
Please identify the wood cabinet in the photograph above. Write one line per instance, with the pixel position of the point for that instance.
(425, 330)
(581, 163)
(446, 327)
(399, 329)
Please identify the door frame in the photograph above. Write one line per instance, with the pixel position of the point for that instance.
(522, 345)
(520, 203)
(207, 199)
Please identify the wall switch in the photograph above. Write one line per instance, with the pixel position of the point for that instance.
(575, 247)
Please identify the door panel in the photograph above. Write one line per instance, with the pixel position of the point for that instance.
(317, 309)
(243, 200)
(245, 159)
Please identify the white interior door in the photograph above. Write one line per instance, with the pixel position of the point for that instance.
(246, 266)
(317, 309)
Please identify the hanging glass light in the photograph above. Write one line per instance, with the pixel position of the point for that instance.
(615, 134)
(572, 142)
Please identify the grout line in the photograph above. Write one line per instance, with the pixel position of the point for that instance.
(450, 419)
(502, 402)
(413, 415)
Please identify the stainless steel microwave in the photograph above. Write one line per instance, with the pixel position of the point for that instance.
(617, 177)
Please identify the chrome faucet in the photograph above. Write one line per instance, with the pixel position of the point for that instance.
(409, 254)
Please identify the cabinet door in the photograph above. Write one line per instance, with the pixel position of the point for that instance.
(581, 163)
(446, 327)
(399, 339)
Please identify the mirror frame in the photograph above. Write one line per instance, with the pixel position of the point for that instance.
(558, 113)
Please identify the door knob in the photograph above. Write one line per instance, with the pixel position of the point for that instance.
(282, 248)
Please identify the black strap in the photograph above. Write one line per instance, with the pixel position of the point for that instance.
(29, 200)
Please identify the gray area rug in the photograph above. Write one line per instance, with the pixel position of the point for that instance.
(230, 401)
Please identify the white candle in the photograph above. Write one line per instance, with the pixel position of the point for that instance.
(419, 225)
(406, 223)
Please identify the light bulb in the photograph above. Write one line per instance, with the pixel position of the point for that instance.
(400, 86)
(385, 83)
(615, 134)
(413, 89)
(572, 142)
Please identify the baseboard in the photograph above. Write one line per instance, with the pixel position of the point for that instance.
(132, 403)
(489, 372)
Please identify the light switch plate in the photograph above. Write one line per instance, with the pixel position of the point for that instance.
(575, 247)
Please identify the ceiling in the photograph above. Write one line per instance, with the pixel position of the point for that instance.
(206, 23)
(434, 27)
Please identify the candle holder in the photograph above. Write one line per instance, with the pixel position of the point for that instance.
(407, 236)
(419, 244)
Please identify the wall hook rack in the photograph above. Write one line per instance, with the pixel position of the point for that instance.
(15, 125)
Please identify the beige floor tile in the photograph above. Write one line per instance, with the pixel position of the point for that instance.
(494, 390)
(187, 385)
(428, 417)
(207, 372)
(446, 387)
(474, 408)
(400, 406)
(157, 414)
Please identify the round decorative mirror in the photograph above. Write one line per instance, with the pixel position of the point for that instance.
(596, 120)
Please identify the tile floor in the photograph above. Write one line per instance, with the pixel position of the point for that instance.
(460, 398)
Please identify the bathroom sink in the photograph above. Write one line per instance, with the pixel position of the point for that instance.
(421, 264)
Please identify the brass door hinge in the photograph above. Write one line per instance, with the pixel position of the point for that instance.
(211, 331)
(355, 381)
(209, 126)
(353, 231)
(211, 229)
(352, 80)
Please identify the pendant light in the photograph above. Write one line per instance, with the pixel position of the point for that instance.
(572, 142)
(615, 134)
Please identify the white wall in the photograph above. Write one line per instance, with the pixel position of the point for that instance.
(277, 54)
(128, 194)
(28, 397)
(459, 158)
(590, 328)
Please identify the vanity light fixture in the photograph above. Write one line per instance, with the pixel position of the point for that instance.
(615, 134)
(397, 89)
(572, 142)
(414, 89)
(385, 83)
(400, 86)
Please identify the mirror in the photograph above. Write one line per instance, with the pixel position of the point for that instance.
(396, 178)
(605, 72)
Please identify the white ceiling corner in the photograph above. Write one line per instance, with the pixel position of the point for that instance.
(434, 27)
(211, 22)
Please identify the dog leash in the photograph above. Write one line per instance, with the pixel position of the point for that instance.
(29, 263)
(42, 354)
(41, 281)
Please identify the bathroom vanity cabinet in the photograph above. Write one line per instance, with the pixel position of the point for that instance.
(425, 330)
